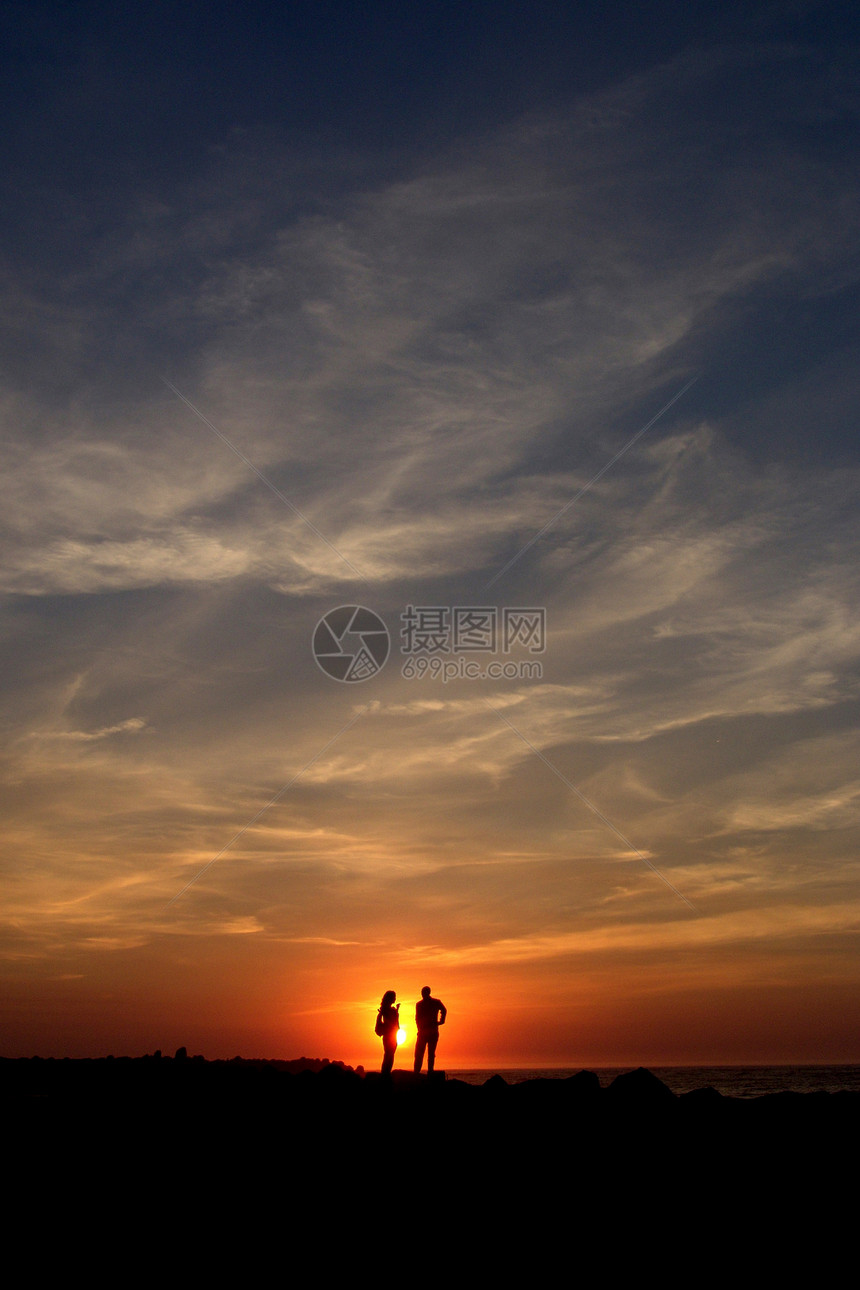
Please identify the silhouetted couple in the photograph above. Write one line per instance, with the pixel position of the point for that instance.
(430, 1014)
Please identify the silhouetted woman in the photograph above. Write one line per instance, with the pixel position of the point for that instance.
(387, 1025)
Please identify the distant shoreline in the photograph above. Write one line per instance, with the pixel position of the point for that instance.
(731, 1079)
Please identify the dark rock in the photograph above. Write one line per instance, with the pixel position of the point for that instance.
(639, 1086)
(702, 1096)
(583, 1084)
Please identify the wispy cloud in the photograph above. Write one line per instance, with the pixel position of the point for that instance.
(430, 363)
(132, 726)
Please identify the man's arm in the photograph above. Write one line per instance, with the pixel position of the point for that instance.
(444, 1013)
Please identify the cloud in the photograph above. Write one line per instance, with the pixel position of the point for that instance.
(429, 365)
(400, 366)
(132, 726)
(778, 925)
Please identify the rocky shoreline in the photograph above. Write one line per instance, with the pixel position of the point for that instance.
(264, 1143)
(143, 1081)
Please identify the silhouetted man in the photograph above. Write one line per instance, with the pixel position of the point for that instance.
(430, 1014)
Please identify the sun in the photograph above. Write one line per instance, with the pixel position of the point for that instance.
(401, 1036)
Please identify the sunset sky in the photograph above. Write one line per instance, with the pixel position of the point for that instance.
(321, 304)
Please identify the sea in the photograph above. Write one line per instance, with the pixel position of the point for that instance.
(731, 1081)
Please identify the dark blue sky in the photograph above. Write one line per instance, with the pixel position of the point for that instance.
(109, 104)
(101, 94)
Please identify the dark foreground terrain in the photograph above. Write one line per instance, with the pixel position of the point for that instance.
(135, 1087)
(325, 1168)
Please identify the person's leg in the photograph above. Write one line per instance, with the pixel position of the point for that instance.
(420, 1045)
(432, 1041)
(388, 1058)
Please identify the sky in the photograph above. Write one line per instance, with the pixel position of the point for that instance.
(531, 330)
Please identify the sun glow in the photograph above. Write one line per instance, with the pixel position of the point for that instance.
(401, 1036)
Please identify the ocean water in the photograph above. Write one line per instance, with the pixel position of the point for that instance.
(731, 1081)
